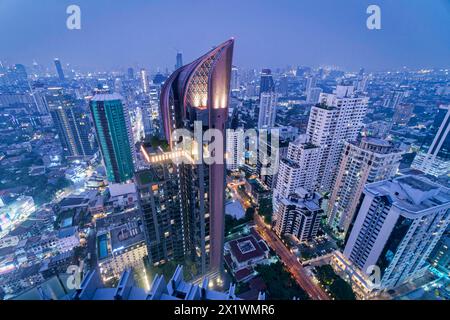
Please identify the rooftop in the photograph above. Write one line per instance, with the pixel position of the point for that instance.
(412, 194)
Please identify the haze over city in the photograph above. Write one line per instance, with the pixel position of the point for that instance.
(116, 34)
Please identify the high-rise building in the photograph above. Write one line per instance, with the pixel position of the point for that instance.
(234, 78)
(266, 83)
(130, 73)
(267, 110)
(235, 149)
(59, 69)
(299, 215)
(310, 83)
(71, 122)
(159, 202)
(298, 170)
(337, 118)
(403, 113)
(437, 160)
(369, 161)
(313, 95)
(114, 135)
(398, 225)
(194, 94)
(179, 62)
(144, 80)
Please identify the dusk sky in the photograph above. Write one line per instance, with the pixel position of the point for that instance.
(117, 34)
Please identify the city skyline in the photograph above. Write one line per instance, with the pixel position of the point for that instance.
(205, 150)
(300, 33)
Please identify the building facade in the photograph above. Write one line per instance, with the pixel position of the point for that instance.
(72, 124)
(197, 95)
(399, 223)
(337, 118)
(113, 128)
(299, 215)
(369, 161)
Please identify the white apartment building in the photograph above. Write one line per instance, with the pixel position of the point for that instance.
(336, 119)
(299, 169)
(235, 149)
(399, 223)
(369, 161)
(267, 110)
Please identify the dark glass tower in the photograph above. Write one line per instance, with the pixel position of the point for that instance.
(59, 69)
(71, 122)
(266, 83)
(112, 126)
(179, 62)
(199, 91)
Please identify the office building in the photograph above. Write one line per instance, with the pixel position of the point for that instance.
(267, 110)
(144, 80)
(179, 61)
(199, 91)
(313, 95)
(59, 69)
(114, 135)
(266, 83)
(299, 215)
(72, 123)
(234, 79)
(310, 83)
(130, 73)
(369, 161)
(399, 223)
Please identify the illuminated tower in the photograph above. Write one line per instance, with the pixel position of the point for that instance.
(71, 122)
(198, 92)
(112, 125)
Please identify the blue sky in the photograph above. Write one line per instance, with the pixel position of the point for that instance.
(269, 33)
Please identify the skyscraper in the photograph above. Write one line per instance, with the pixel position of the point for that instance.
(159, 203)
(337, 118)
(369, 161)
(144, 80)
(130, 73)
(59, 69)
(398, 224)
(112, 125)
(199, 92)
(267, 110)
(310, 83)
(71, 122)
(234, 78)
(266, 83)
(436, 161)
(313, 95)
(179, 62)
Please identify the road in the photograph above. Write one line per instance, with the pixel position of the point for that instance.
(290, 260)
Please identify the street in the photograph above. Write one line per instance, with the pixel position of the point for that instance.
(290, 260)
